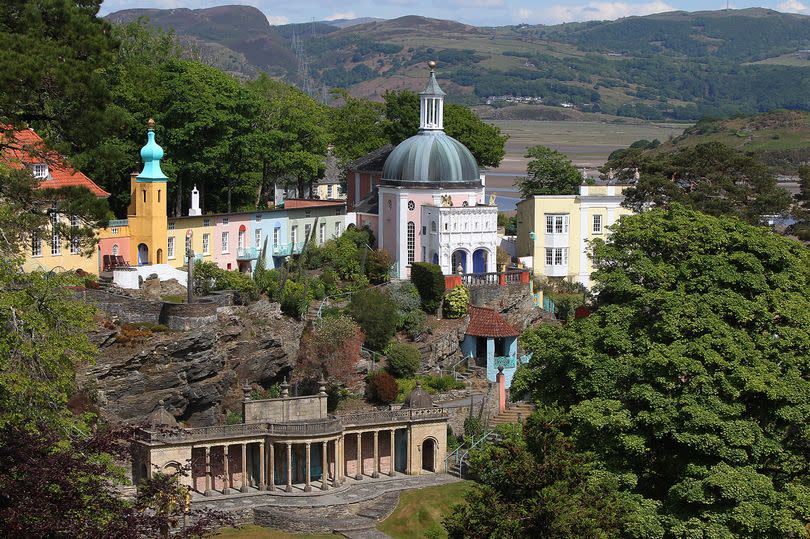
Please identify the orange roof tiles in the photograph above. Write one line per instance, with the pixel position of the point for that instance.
(29, 149)
(486, 322)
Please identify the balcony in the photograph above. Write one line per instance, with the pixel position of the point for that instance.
(247, 253)
(287, 249)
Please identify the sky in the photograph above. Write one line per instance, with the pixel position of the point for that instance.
(474, 12)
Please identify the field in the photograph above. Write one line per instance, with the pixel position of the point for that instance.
(420, 512)
(587, 144)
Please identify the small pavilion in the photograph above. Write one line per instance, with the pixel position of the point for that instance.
(292, 445)
(490, 341)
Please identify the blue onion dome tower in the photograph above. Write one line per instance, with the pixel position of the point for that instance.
(147, 219)
(431, 158)
(151, 154)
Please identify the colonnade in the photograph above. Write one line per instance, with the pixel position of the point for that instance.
(334, 470)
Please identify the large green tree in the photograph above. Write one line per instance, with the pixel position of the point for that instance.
(690, 382)
(548, 173)
(710, 177)
(50, 54)
(356, 126)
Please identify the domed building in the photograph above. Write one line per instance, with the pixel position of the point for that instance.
(429, 204)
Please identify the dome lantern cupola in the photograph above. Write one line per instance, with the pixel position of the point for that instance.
(151, 154)
(431, 103)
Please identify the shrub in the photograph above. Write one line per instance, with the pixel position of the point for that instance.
(377, 316)
(429, 281)
(377, 266)
(502, 258)
(405, 295)
(268, 282)
(472, 427)
(456, 302)
(342, 256)
(414, 323)
(293, 299)
(208, 276)
(331, 348)
(233, 418)
(381, 388)
(403, 360)
(437, 384)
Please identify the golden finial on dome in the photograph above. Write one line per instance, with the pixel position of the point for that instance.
(432, 64)
(150, 123)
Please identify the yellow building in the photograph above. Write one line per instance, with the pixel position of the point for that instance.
(554, 231)
(147, 207)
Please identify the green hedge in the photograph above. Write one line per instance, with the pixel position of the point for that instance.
(429, 281)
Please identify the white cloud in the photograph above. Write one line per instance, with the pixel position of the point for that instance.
(594, 11)
(276, 20)
(791, 6)
(341, 15)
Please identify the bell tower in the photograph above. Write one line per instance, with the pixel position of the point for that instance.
(147, 207)
(431, 103)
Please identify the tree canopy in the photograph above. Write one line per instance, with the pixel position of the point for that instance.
(548, 173)
(710, 177)
(690, 383)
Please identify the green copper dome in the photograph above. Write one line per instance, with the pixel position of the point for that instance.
(431, 159)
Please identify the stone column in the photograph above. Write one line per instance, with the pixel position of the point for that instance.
(393, 471)
(359, 474)
(324, 467)
(208, 490)
(227, 488)
(244, 469)
(376, 473)
(289, 467)
(338, 464)
(409, 453)
(262, 468)
(307, 487)
(272, 484)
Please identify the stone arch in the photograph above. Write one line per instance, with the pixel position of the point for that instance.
(435, 258)
(159, 256)
(172, 467)
(429, 451)
(459, 258)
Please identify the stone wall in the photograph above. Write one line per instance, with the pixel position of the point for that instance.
(443, 351)
(485, 410)
(125, 308)
(284, 409)
(187, 316)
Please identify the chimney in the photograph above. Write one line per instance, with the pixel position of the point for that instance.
(195, 203)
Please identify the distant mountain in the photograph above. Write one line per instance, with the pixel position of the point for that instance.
(346, 23)
(675, 65)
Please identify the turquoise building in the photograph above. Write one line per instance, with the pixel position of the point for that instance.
(491, 341)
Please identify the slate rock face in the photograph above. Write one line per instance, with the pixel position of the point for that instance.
(198, 373)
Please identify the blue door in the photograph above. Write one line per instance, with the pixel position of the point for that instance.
(480, 261)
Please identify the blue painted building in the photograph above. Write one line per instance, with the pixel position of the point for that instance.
(491, 341)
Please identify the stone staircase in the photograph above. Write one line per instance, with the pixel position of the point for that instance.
(516, 413)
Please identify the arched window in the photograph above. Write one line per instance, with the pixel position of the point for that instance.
(115, 250)
(411, 241)
(433, 226)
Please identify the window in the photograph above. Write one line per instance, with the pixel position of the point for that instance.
(114, 231)
(170, 249)
(225, 220)
(74, 239)
(158, 195)
(40, 171)
(445, 227)
(465, 203)
(328, 191)
(115, 249)
(56, 241)
(597, 224)
(206, 222)
(433, 227)
(257, 236)
(556, 256)
(411, 241)
(258, 217)
(556, 224)
(206, 244)
(424, 230)
(224, 242)
(423, 253)
(36, 245)
(307, 213)
(240, 240)
(337, 229)
(294, 234)
(411, 205)
(276, 234)
(339, 210)
(143, 191)
(307, 232)
(322, 233)
(171, 225)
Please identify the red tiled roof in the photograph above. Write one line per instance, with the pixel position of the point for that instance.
(486, 322)
(28, 149)
(292, 203)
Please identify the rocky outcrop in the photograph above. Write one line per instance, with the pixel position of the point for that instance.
(197, 373)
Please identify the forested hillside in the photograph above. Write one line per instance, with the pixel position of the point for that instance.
(674, 65)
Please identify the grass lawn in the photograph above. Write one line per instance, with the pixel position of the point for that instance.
(257, 532)
(419, 513)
